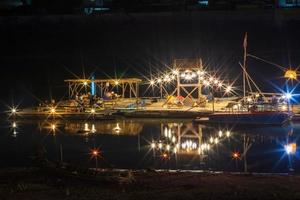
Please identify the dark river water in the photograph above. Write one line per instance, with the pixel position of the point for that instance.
(151, 144)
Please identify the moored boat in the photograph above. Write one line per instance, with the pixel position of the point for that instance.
(249, 118)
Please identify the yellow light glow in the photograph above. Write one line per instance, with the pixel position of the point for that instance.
(116, 82)
(152, 82)
(85, 83)
(93, 110)
(53, 126)
(227, 133)
(290, 74)
(235, 155)
(228, 89)
(153, 145)
(175, 71)
(13, 110)
(284, 108)
(52, 110)
(14, 125)
(220, 133)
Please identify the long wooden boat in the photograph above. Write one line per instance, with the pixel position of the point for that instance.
(248, 118)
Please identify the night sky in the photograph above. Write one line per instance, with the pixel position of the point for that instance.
(39, 52)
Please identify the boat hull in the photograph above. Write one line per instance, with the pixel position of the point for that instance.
(264, 118)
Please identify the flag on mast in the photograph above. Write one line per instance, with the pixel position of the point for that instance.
(245, 41)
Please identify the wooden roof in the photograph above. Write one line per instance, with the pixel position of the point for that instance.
(111, 81)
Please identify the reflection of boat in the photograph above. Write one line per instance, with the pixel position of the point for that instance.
(264, 118)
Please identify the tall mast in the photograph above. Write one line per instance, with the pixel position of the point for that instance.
(244, 64)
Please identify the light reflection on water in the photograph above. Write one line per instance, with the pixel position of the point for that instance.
(155, 144)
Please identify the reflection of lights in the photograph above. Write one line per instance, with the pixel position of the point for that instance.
(216, 140)
(93, 128)
(93, 110)
(220, 133)
(14, 133)
(14, 125)
(175, 150)
(86, 127)
(169, 133)
(53, 127)
(208, 147)
(166, 132)
(173, 139)
(117, 129)
(290, 148)
(168, 147)
(227, 133)
(164, 155)
(211, 139)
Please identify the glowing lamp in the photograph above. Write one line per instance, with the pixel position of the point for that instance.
(219, 84)
(152, 82)
(85, 83)
(288, 95)
(153, 145)
(228, 89)
(53, 126)
(290, 148)
(159, 80)
(95, 152)
(52, 110)
(160, 145)
(175, 71)
(235, 155)
(14, 125)
(290, 74)
(13, 111)
(93, 110)
(116, 82)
